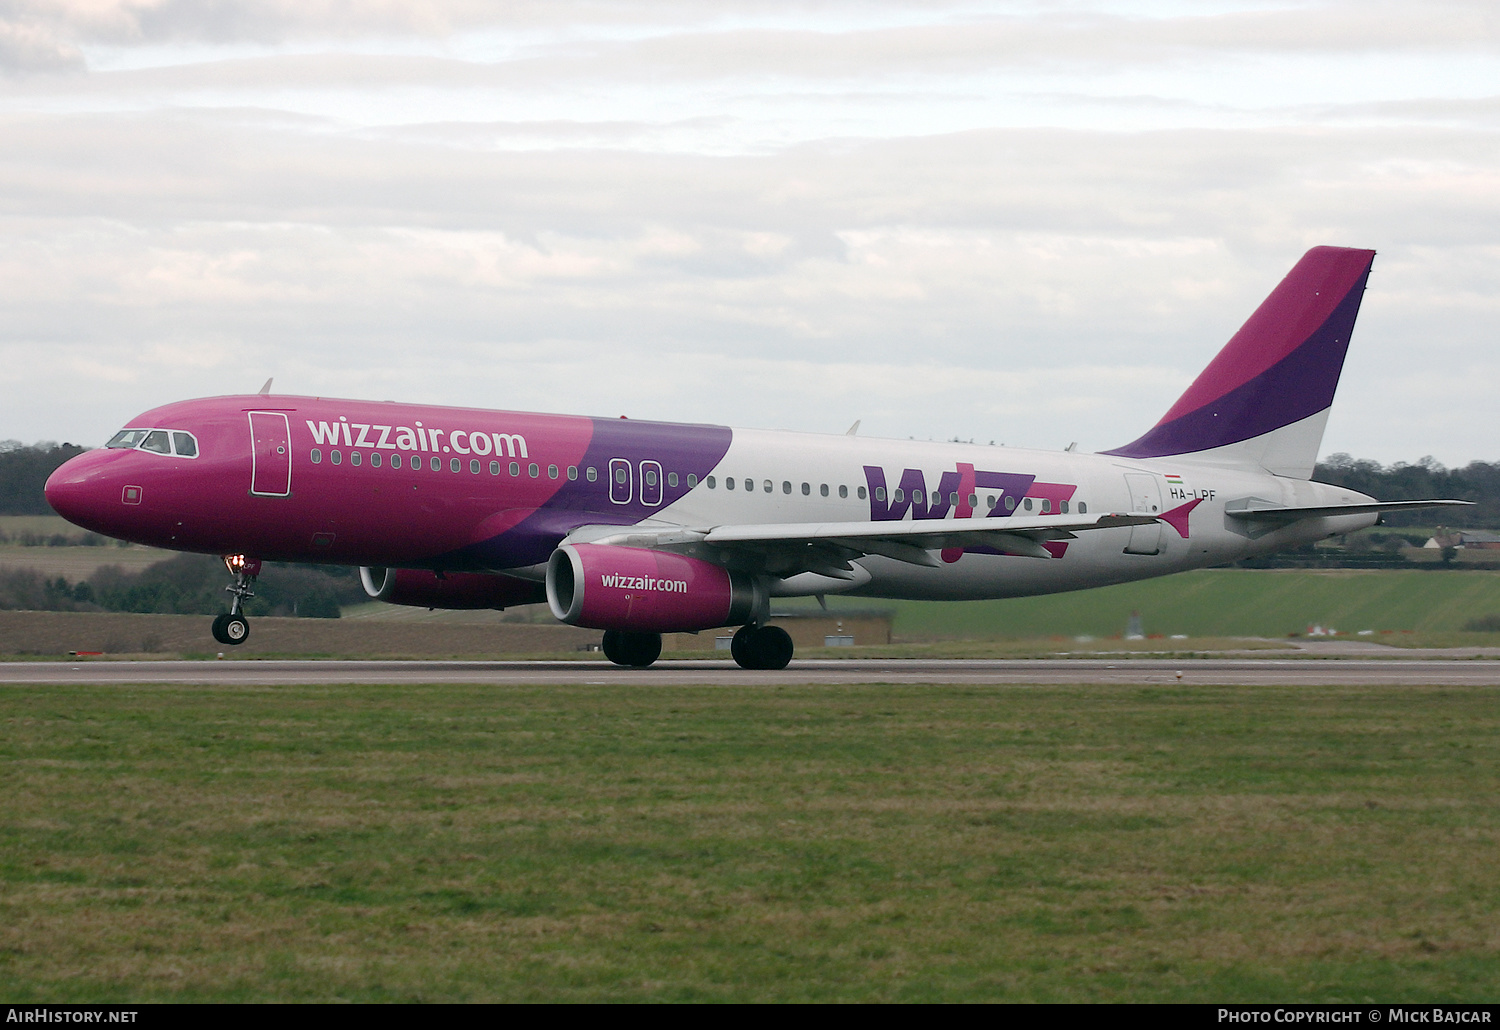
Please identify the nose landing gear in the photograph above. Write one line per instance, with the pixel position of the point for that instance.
(233, 627)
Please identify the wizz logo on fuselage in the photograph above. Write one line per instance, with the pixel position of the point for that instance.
(952, 493)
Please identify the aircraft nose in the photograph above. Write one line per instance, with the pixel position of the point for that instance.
(79, 493)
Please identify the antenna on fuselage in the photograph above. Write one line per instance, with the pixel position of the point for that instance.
(854, 429)
(265, 391)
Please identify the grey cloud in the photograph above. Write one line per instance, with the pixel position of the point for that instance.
(956, 284)
(678, 41)
(32, 48)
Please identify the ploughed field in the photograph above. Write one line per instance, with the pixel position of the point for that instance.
(781, 843)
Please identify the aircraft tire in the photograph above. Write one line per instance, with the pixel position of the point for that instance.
(236, 629)
(218, 628)
(610, 645)
(739, 646)
(773, 648)
(640, 649)
(763, 647)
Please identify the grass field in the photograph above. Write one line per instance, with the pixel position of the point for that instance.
(1214, 603)
(794, 843)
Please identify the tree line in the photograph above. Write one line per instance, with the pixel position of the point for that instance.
(188, 584)
(1478, 481)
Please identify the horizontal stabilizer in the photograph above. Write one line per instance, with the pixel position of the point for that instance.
(1256, 510)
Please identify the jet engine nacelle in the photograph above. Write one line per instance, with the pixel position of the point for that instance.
(423, 588)
(632, 588)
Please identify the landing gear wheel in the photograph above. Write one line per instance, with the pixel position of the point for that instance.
(610, 645)
(231, 629)
(762, 647)
(637, 650)
(739, 647)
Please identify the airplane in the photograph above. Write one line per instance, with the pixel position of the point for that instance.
(640, 528)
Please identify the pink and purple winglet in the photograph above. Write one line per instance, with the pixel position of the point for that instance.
(1281, 367)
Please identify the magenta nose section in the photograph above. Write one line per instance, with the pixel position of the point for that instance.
(83, 494)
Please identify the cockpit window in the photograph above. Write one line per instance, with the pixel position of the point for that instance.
(157, 441)
(128, 438)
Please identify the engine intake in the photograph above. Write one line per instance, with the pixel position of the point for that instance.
(633, 588)
(423, 588)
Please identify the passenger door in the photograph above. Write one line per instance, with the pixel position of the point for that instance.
(270, 454)
(1145, 499)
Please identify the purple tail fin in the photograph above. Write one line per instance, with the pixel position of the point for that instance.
(1264, 399)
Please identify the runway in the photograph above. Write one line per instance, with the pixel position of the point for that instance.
(1471, 671)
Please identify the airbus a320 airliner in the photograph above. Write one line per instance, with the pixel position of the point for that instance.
(640, 528)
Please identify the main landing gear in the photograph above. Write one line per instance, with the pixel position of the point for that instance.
(637, 650)
(753, 647)
(761, 647)
(233, 627)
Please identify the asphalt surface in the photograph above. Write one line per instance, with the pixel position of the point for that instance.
(1304, 671)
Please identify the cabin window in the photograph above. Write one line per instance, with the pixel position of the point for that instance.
(650, 477)
(551, 471)
(692, 481)
(1010, 504)
(474, 466)
(823, 489)
(532, 470)
(436, 464)
(355, 458)
(374, 459)
(316, 456)
(156, 442)
(127, 438)
(709, 482)
(185, 445)
(974, 501)
(1046, 506)
(880, 493)
(572, 473)
(1083, 509)
(843, 491)
(336, 457)
(766, 485)
(619, 474)
(494, 468)
(786, 486)
(591, 475)
(1026, 503)
(750, 486)
(900, 495)
(395, 461)
(671, 479)
(456, 464)
(807, 490)
(916, 496)
(953, 500)
(728, 482)
(1064, 506)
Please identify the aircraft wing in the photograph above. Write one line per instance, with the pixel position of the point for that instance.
(827, 547)
(1256, 510)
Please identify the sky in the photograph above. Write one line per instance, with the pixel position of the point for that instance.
(1031, 223)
